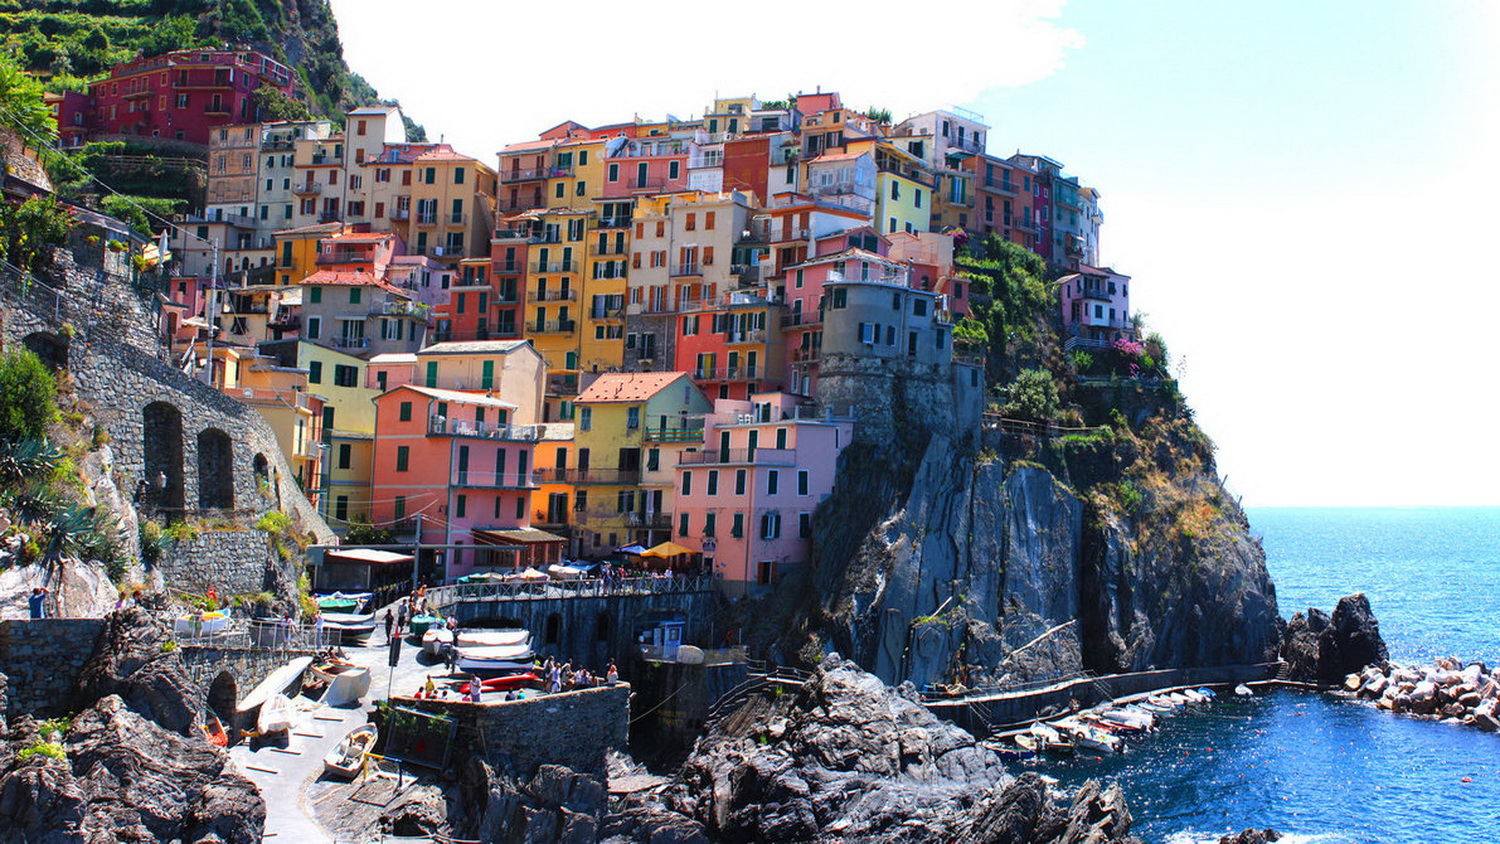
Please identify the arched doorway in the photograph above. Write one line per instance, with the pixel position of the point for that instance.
(223, 692)
(161, 447)
(215, 470)
(51, 348)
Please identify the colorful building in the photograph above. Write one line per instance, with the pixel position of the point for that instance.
(183, 95)
(1096, 307)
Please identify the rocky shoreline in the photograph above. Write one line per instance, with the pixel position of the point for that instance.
(1446, 690)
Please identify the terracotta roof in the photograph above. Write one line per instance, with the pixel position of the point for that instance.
(848, 254)
(358, 278)
(362, 237)
(316, 228)
(444, 155)
(838, 156)
(627, 386)
(525, 146)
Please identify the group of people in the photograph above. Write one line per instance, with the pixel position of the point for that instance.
(405, 610)
(565, 677)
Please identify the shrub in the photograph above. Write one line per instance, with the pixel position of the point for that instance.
(28, 396)
(274, 522)
(182, 531)
(1033, 396)
(49, 749)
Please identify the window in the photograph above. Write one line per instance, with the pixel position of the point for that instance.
(917, 197)
(804, 525)
(840, 298)
(432, 373)
(341, 508)
(780, 438)
(458, 175)
(682, 518)
(400, 507)
(713, 481)
(739, 481)
(315, 372)
(403, 457)
(460, 506)
(708, 220)
(737, 528)
(918, 306)
(687, 484)
(773, 480)
(314, 294)
(770, 526)
(895, 189)
(709, 523)
(692, 222)
(345, 376)
(673, 169)
(405, 414)
(803, 481)
(614, 176)
(586, 419)
(632, 418)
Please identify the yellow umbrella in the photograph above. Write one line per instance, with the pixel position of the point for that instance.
(666, 549)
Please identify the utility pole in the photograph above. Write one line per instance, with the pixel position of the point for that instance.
(213, 294)
(416, 554)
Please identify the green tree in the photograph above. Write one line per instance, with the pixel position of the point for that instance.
(275, 106)
(178, 32)
(28, 396)
(29, 229)
(1033, 396)
(21, 107)
(146, 215)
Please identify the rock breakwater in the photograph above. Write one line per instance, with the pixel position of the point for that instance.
(1446, 689)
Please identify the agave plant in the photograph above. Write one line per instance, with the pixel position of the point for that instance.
(33, 500)
(27, 458)
(72, 532)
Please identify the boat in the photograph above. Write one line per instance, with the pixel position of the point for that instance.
(286, 679)
(348, 628)
(276, 715)
(509, 682)
(1087, 736)
(1051, 740)
(1027, 741)
(435, 639)
(203, 623)
(1006, 750)
(1243, 690)
(496, 658)
(490, 638)
(1111, 726)
(1131, 719)
(419, 623)
(338, 602)
(1208, 693)
(213, 729)
(348, 756)
(347, 682)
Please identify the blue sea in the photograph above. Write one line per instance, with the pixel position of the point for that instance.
(1321, 769)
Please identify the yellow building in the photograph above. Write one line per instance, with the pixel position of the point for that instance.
(552, 501)
(452, 206)
(611, 508)
(348, 425)
(297, 251)
(902, 203)
(557, 256)
(281, 395)
(577, 174)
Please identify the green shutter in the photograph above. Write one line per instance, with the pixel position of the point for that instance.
(432, 373)
(487, 381)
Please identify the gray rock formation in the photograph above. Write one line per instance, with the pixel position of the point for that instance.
(129, 662)
(847, 757)
(1324, 649)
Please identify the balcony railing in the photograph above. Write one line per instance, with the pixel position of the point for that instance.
(729, 373)
(598, 312)
(556, 326)
(524, 174)
(746, 272)
(554, 266)
(758, 456)
(897, 278)
(401, 214)
(793, 234)
(307, 188)
(427, 218)
(402, 307)
(442, 426)
(658, 521)
(492, 480)
(589, 476)
(342, 256)
(670, 434)
(754, 335)
(612, 223)
(567, 294)
(687, 269)
(796, 318)
(351, 342)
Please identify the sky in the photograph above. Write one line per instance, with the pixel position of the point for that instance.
(1299, 191)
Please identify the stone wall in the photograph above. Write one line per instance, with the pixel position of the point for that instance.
(233, 562)
(42, 659)
(893, 400)
(593, 630)
(574, 729)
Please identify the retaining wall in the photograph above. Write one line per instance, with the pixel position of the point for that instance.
(42, 658)
(232, 562)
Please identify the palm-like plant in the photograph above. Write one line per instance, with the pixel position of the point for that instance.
(27, 458)
(33, 501)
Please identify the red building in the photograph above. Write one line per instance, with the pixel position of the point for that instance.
(183, 94)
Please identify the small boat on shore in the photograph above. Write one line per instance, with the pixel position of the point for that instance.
(434, 640)
(201, 623)
(347, 682)
(496, 658)
(1007, 750)
(213, 729)
(348, 756)
(1051, 740)
(285, 680)
(339, 602)
(491, 638)
(348, 628)
(1087, 736)
(276, 715)
(509, 682)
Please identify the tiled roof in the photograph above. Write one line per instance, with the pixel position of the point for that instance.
(838, 156)
(358, 278)
(470, 347)
(362, 237)
(527, 146)
(394, 357)
(627, 386)
(460, 397)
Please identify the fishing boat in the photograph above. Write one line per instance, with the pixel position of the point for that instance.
(1243, 690)
(509, 682)
(435, 638)
(1087, 736)
(348, 756)
(347, 682)
(420, 623)
(340, 603)
(1135, 720)
(1027, 741)
(1208, 693)
(1006, 750)
(496, 658)
(276, 714)
(285, 680)
(1051, 740)
(213, 729)
(201, 623)
(491, 638)
(348, 628)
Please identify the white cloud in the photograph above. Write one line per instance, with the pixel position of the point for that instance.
(485, 74)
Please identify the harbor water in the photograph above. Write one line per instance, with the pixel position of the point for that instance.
(1315, 767)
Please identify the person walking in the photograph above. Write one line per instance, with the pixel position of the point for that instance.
(390, 621)
(450, 657)
(318, 622)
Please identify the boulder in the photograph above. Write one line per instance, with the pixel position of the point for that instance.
(129, 662)
(1252, 836)
(1299, 644)
(1351, 641)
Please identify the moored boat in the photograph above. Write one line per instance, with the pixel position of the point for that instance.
(276, 715)
(348, 628)
(348, 756)
(347, 682)
(419, 624)
(491, 638)
(213, 729)
(515, 657)
(201, 623)
(1087, 736)
(509, 682)
(1243, 690)
(435, 638)
(285, 680)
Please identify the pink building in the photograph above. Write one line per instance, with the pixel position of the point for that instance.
(455, 460)
(1096, 307)
(746, 500)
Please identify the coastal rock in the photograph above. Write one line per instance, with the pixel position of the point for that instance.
(1252, 836)
(1319, 648)
(1299, 644)
(129, 662)
(556, 806)
(127, 778)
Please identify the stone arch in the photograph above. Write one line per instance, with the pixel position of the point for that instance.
(603, 627)
(51, 348)
(553, 629)
(161, 446)
(223, 693)
(262, 468)
(215, 470)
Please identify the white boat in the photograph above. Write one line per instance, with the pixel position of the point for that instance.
(1129, 720)
(346, 758)
(435, 638)
(287, 678)
(1088, 736)
(206, 623)
(516, 657)
(276, 714)
(491, 638)
(1195, 696)
(346, 683)
(348, 626)
(1243, 690)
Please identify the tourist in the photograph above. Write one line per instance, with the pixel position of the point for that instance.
(213, 598)
(554, 677)
(476, 689)
(450, 656)
(389, 621)
(612, 676)
(37, 602)
(318, 622)
(430, 688)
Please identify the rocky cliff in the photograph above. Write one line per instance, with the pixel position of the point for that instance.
(1035, 558)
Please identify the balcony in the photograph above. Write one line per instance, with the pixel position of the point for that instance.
(527, 174)
(1001, 186)
(351, 342)
(673, 434)
(625, 477)
(459, 219)
(789, 235)
(307, 189)
(402, 307)
(805, 355)
(747, 273)
(439, 426)
(562, 385)
(554, 267)
(401, 214)
(329, 216)
(729, 373)
(687, 269)
(758, 456)
(754, 335)
(556, 172)
(801, 318)
(612, 223)
(427, 218)
(656, 521)
(894, 278)
(557, 326)
(491, 480)
(567, 294)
